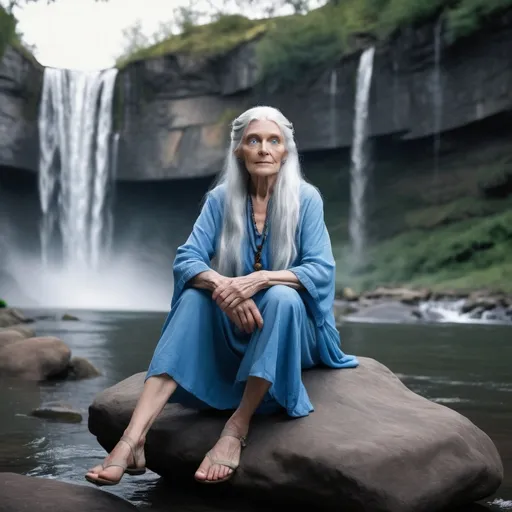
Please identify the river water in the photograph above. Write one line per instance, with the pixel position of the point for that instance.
(465, 367)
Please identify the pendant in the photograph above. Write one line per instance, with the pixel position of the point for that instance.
(257, 266)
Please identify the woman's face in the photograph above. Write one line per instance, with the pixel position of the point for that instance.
(262, 148)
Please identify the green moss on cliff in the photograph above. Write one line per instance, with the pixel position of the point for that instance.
(7, 29)
(223, 35)
(291, 46)
(8, 36)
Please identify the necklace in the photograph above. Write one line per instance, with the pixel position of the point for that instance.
(257, 254)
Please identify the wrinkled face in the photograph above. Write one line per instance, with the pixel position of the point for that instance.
(262, 148)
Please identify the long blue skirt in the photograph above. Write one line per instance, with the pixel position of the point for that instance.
(210, 359)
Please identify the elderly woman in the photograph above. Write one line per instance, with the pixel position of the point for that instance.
(252, 303)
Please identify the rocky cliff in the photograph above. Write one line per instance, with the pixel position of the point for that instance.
(20, 86)
(174, 111)
(177, 108)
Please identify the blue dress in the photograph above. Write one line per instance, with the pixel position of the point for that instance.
(211, 359)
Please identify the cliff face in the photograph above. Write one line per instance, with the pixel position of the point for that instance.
(20, 86)
(177, 109)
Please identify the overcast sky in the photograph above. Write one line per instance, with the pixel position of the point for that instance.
(84, 34)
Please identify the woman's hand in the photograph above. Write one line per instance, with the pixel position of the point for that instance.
(230, 293)
(246, 316)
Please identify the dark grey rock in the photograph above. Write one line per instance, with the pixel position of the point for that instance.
(80, 368)
(69, 317)
(385, 312)
(59, 412)
(175, 103)
(20, 86)
(19, 492)
(371, 444)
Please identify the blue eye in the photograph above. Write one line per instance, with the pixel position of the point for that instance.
(252, 140)
(276, 141)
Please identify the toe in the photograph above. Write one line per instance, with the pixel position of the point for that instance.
(213, 473)
(202, 471)
(96, 469)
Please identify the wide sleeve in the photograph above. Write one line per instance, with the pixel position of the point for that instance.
(195, 255)
(316, 267)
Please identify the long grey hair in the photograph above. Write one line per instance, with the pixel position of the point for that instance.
(284, 207)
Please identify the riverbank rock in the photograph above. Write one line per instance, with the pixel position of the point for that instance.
(23, 329)
(34, 358)
(385, 312)
(371, 444)
(404, 295)
(10, 316)
(19, 492)
(9, 336)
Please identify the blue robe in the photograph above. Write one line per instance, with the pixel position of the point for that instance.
(211, 359)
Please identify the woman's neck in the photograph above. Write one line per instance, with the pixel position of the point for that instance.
(262, 187)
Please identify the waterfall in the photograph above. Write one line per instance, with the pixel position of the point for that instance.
(333, 90)
(359, 157)
(437, 95)
(75, 172)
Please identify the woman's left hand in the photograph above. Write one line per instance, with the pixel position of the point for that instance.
(234, 291)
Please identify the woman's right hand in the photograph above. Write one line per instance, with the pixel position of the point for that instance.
(246, 316)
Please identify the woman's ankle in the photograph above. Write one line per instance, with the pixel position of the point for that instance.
(138, 439)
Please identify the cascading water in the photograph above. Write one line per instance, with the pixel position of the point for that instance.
(333, 91)
(75, 126)
(437, 94)
(359, 158)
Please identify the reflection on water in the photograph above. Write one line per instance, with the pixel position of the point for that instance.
(466, 368)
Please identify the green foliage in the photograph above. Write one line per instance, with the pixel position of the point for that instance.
(467, 16)
(3, 304)
(215, 38)
(453, 252)
(294, 45)
(465, 208)
(7, 29)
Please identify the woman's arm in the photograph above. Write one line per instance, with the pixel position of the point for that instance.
(208, 280)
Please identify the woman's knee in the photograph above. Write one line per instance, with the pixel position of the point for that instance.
(283, 296)
(195, 297)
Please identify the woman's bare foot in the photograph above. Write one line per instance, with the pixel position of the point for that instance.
(121, 457)
(227, 449)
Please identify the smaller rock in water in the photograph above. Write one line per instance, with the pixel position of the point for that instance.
(19, 492)
(68, 317)
(349, 294)
(58, 412)
(80, 368)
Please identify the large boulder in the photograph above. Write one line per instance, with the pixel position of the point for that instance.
(34, 359)
(371, 444)
(18, 492)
